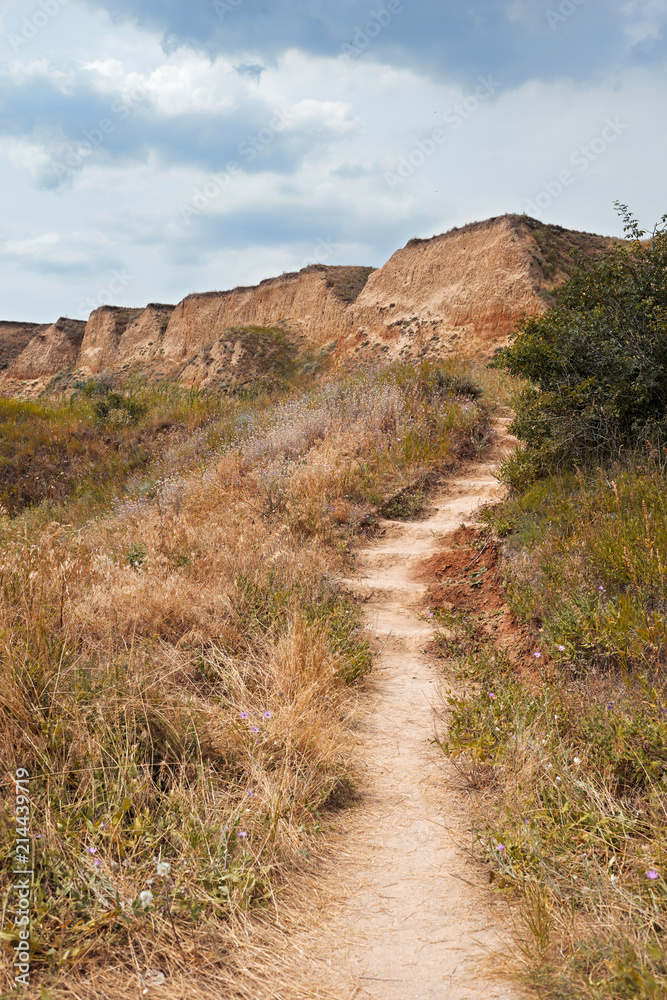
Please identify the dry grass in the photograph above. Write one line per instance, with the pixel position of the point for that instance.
(575, 760)
(177, 677)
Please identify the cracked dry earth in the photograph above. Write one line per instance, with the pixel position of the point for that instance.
(414, 918)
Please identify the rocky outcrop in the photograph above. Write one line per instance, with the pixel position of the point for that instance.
(104, 330)
(143, 336)
(463, 290)
(14, 338)
(312, 305)
(53, 349)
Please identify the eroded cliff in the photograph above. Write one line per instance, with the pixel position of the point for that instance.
(462, 290)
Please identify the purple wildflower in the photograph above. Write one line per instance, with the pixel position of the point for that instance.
(561, 649)
(500, 847)
(92, 850)
(242, 834)
(250, 793)
(491, 695)
(652, 874)
(267, 715)
(244, 715)
(99, 862)
(537, 654)
(254, 729)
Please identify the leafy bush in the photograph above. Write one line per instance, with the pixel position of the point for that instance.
(119, 410)
(596, 361)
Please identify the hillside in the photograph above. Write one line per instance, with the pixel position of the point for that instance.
(462, 290)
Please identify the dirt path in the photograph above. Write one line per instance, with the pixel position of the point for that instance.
(416, 920)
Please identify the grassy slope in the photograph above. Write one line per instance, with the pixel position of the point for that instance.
(176, 669)
(576, 756)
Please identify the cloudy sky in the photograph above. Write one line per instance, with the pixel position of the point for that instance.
(150, 148)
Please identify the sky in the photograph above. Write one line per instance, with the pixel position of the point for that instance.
(152, 148)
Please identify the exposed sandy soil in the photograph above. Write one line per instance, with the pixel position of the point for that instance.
(411, 916)
(459, 292)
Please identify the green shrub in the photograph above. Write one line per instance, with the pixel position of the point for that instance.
(596, 361)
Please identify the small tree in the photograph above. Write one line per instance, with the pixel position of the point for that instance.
(596, 361)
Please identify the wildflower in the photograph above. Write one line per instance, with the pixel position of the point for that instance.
(500, 847)
(92, 850)
(254, 729)
(242, 834)
(652, 874)
(561, 649)
(99, 863)
(244, 715)
(537, 654)
(577, 760)
(146, 898)
(250, 793)
(163, 869)
(103, 826)
(610, 706)
(491, 695)
(601, 588)
(267, 715)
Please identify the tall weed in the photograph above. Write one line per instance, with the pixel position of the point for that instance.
(177, 671)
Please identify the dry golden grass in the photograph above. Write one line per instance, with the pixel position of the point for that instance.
(178, 679)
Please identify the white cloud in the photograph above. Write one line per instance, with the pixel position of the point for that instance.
(648, 19)
(348, 124)
(22, 73)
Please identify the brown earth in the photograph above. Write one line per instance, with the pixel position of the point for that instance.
(466, 289)
(311, 305)
(460, 291)
(14, 338)
(409, 915)
(53, 349)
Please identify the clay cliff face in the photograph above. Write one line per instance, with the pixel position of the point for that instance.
(463, 290)
(14, 338)
(312, 305)
(54, 348)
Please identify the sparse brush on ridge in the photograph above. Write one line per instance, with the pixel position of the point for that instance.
(177, 671)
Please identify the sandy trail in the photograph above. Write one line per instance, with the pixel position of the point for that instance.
(416, 920)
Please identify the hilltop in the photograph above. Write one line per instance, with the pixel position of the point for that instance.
(458, 291)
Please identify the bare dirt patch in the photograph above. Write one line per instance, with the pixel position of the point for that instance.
(410, 915)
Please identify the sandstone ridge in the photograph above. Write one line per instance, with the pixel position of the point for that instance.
(462, 290)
